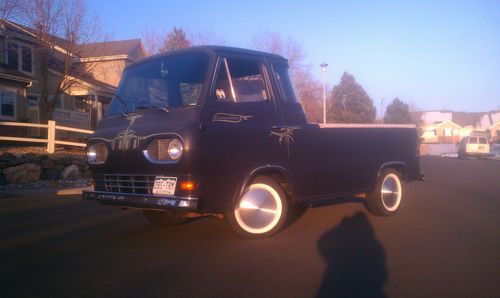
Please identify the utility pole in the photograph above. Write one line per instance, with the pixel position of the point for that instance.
(323, 69)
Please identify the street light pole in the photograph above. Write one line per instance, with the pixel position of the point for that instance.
(323, 68)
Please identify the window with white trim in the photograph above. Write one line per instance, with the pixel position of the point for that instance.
(20, 57)
(7, 104)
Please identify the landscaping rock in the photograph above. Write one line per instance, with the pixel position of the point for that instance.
(63, 159)
(7, 157)
(48, 163)
(87, 174)
(8, 160)
(80, 162)
(51, 174)
(23, 174)
(70, 172)
(3, 181)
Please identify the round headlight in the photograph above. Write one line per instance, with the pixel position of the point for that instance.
(175, 149)
(164, 150)
(97, 153)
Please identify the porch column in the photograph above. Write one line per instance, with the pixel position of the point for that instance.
(98, 106)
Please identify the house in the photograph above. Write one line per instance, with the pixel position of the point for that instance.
(495, 131)
(430, 117)
(445, 131)
(83, 104)
(489, 119)
(449, 127)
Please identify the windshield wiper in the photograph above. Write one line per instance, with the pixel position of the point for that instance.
(123, 106)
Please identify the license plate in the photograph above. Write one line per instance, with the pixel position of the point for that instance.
(164, 186)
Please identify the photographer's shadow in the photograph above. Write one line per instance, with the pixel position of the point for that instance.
(355, 259)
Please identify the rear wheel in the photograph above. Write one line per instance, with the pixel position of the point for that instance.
(385, 200)
(261, 211)
(165, 218)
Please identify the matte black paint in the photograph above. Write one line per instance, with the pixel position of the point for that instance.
(226, 144)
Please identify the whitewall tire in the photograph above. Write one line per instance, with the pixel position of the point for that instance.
(261, 210)
(386, 199)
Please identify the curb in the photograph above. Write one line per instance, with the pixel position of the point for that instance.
(73, 191)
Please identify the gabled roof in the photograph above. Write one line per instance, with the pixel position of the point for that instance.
(439, 124)
(494, 125)
(16, 30)
(30, 33)
(131, 48)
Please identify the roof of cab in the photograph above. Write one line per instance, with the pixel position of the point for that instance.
(210, 50)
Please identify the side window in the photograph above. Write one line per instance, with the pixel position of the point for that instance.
(287, 88)
(7, 103)
(240, 80)
(13, 55)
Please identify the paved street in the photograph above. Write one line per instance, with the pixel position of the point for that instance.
(444, 243)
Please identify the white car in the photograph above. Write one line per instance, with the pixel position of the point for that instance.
(474, 146)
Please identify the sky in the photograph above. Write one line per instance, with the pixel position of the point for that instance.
(431, 54)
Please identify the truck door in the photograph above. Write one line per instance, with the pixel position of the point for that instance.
(239, 115)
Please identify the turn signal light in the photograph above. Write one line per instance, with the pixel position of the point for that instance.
(188, 185)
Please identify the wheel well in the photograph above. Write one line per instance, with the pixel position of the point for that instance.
(277, 174)
(398, 167)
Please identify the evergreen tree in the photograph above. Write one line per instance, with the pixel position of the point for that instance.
(397, 112)
(175, 39)
(350, 103)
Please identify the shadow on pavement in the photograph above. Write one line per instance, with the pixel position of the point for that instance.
(355, 260)
(336, 201)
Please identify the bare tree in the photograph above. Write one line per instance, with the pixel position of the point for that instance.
(156, 42)
(206, 38)
(310, 93)
(274, 43)
(153, 40)
(60, 28)
(308, 88)
(175, 39)
(9, 9)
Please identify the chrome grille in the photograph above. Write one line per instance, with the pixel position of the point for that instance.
(142, 184)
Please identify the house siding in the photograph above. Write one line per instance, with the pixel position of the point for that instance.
(109, 72)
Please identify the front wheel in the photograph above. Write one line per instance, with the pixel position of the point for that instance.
(261, 211)
(385, 200)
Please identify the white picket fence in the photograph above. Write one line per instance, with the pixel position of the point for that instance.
(51, 134)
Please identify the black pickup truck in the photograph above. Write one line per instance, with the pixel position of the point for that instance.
(220, 131)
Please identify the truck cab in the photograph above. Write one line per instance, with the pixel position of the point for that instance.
(221, 131)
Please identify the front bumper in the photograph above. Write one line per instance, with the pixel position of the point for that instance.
(142, 201)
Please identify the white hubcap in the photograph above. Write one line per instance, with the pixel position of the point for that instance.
(391, 192)
(259, 210)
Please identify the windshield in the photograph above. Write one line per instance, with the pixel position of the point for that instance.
(165, 83)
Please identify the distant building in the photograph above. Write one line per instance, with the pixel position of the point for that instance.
(445, 131)
(83, 104)
(495, 131)
(449, 127)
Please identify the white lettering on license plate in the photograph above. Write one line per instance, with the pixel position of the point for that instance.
(164, 186)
